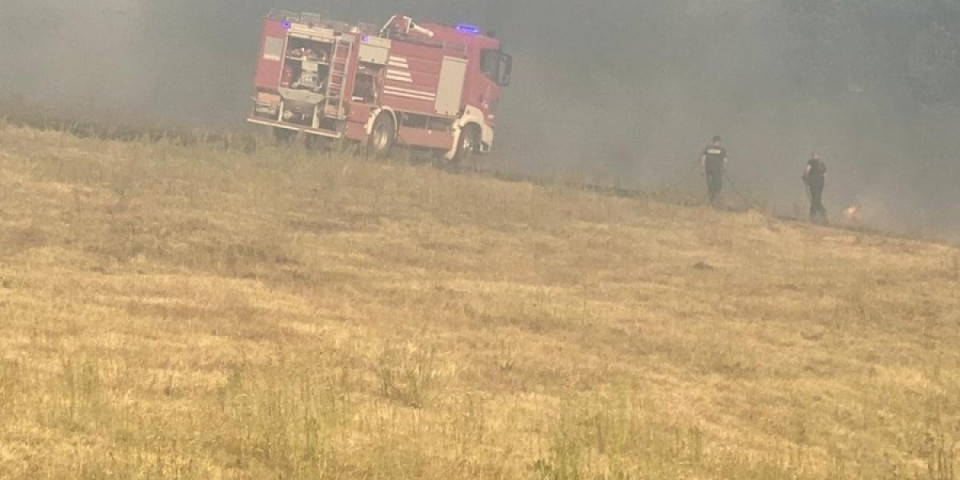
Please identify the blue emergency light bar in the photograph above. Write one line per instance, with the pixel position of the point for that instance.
(468, 29)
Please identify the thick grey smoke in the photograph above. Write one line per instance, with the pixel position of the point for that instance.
(619, 91)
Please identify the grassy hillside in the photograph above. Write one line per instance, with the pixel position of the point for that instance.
(195, 312)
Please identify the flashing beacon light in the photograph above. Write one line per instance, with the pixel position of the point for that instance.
(468, 29)
(365, 38)
(286, 24)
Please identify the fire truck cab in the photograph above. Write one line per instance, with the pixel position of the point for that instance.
(423, 85)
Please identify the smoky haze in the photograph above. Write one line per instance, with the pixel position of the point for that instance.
(619, 92)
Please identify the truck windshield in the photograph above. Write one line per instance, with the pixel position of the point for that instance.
(496, 66)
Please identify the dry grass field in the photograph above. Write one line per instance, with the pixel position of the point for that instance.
(208, 313)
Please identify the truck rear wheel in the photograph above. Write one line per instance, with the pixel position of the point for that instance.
(383, 135)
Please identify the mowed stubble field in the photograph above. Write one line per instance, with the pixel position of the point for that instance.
(201, 313)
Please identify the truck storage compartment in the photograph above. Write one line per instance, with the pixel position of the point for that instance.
(299, 113)
(367, 82)
(306, 64)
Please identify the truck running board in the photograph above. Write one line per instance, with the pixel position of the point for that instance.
(312, 131)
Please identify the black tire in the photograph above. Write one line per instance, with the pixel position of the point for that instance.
(383, 136)
(467, 145)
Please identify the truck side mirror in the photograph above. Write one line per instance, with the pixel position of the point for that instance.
(506, 68)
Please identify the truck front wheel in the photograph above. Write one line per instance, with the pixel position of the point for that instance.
(468, 144)
(383, 136)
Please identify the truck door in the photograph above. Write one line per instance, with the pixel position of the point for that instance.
(450, 88)
(271, 54)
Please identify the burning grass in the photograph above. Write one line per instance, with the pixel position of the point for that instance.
(191, 311)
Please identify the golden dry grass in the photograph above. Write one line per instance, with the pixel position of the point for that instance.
(193, 312)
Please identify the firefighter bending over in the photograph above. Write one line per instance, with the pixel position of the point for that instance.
(814, 177)
(712, 163)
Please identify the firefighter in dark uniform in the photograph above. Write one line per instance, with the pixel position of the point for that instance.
(712, 162)
(814, 177)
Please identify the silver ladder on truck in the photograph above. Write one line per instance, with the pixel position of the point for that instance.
(337, 81)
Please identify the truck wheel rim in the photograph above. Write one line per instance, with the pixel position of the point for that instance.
(469, 142)
(380, 137)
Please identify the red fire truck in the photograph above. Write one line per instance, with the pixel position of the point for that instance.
(423, 85)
